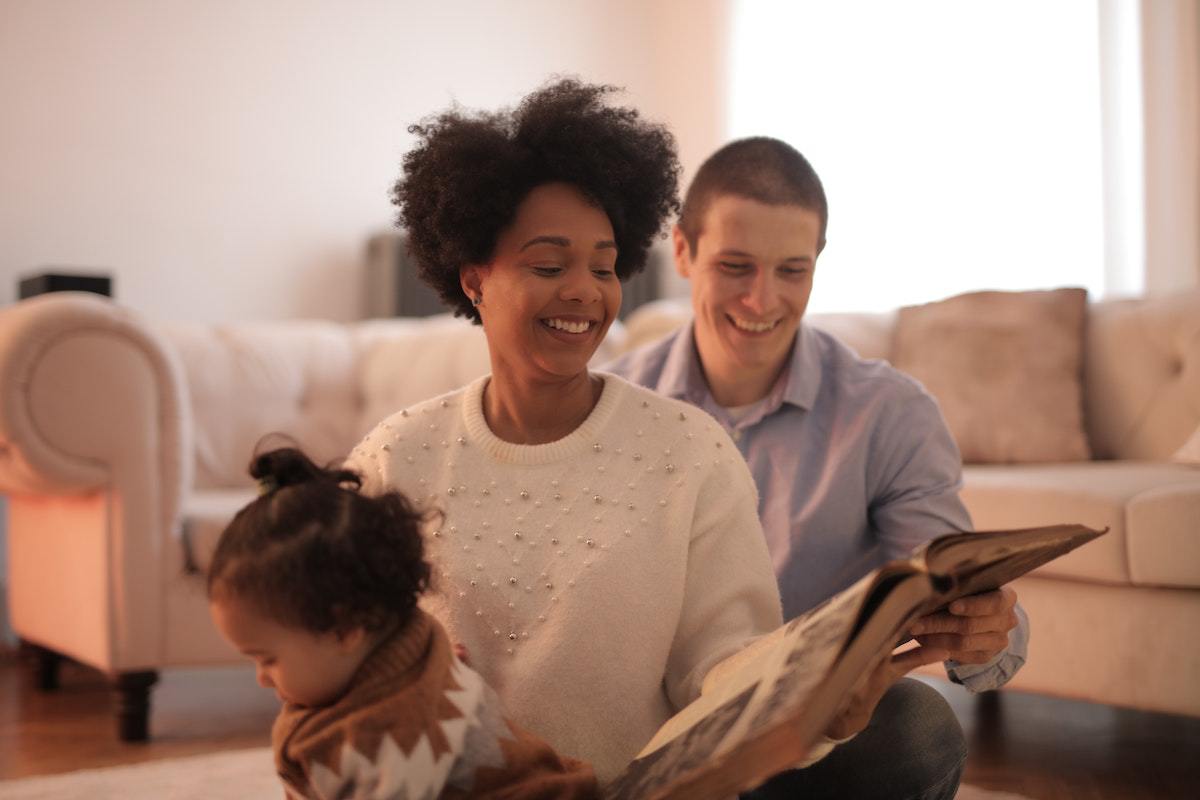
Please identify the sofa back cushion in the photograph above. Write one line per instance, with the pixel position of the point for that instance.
(1141, 365)
(1142, 375)
(247, 380)
(323, 384)
(1006, 368)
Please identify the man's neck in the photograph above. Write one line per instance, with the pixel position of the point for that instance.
(740, 387)
(733, 385)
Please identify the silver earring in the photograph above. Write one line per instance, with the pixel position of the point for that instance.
(475, 301)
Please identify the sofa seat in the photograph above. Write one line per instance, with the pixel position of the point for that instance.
(1151, 508)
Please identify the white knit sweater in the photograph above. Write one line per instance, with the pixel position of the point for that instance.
(594, 580)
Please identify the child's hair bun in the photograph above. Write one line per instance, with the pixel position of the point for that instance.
(313, 552)
(287, 466)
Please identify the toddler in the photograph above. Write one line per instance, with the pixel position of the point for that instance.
(318, 584)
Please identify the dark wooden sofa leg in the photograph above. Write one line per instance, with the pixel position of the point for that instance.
(46, 664)
(133, 704)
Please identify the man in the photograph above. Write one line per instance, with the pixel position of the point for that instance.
(853, 462)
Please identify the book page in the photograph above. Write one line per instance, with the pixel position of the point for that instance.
(764, 715)
(762, 709)
(983, 561)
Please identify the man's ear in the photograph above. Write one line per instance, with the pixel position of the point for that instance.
(683, 252)
(470, 278)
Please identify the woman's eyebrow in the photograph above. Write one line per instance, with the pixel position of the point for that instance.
(557, 241)
(562, 241)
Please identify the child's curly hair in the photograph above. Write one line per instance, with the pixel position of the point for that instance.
(314, 553)
(467, 175)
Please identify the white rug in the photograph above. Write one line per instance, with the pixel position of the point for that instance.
(232, 775)
(229, 775)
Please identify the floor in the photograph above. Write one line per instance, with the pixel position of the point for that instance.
(193, 712)
(1050, 748)
(1040, 747)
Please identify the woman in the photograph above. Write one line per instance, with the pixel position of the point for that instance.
(599, 549)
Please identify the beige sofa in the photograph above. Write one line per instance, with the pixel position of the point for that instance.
(123, 446)
(1117, 621)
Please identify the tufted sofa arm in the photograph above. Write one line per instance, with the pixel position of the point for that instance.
(94, 423)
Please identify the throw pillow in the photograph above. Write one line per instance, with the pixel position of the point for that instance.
(1006, 368)
(1190, 452)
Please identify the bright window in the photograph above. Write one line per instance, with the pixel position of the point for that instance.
(958, 141)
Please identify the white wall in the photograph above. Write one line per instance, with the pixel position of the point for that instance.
(228, 159)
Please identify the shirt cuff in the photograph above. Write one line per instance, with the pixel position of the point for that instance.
(998, 671)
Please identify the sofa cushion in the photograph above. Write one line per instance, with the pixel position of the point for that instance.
(404, 361)
(1150, 508)
(205, 515)
(1190, 452)
(246, 380)
(1006, 368)
(1142, 368)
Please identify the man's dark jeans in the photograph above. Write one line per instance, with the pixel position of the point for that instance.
(912, 748)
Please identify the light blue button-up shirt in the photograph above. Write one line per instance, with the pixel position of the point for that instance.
(854, 467)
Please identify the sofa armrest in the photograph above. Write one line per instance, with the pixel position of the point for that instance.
(95, 453)
(91, 398)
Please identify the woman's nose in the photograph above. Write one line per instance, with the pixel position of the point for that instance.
(580, 286)
(264, 680)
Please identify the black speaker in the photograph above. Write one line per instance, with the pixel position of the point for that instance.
(63, 282)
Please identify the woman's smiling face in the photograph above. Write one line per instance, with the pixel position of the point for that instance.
(551, 291)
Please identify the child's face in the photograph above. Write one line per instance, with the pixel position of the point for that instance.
(304, 668)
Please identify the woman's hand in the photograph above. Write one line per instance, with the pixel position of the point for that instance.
(871, 687)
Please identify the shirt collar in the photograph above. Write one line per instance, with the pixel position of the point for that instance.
(804, 376)
(683, 378)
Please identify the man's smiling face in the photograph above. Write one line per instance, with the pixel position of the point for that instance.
(751, 276)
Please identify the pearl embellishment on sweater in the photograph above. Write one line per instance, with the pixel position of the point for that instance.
(559, 565)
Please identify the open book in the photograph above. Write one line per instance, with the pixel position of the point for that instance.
(764, 709)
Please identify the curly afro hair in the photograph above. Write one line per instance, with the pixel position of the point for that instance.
(469, 172)
(315, 554)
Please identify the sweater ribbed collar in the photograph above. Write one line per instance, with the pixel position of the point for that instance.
(393, 664)
(396, 655)
(574, 443)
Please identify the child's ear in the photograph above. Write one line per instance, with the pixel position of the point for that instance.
(351, 639)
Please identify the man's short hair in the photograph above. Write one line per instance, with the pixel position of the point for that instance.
(758, 168)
